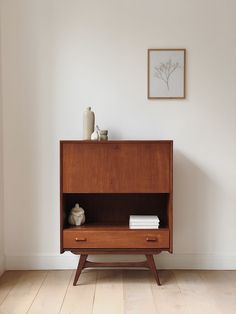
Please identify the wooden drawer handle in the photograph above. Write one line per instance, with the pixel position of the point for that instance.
(151, 239)
(80, 239)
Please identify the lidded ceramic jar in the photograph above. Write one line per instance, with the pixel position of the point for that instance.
(103, 136)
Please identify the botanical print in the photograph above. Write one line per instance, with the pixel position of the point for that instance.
(166, 73)
(164, 70)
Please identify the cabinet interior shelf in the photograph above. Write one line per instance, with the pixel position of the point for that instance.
(107, 226)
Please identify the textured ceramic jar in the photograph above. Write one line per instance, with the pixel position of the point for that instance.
(103, 136)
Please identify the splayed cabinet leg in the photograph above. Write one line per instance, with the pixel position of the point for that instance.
(152, 266)
(80, 266)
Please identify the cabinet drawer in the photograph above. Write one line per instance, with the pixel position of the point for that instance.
(73, 239)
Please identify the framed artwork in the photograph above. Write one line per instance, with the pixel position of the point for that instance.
(166, 73)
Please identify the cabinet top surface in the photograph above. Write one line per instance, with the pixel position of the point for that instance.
(116, 141)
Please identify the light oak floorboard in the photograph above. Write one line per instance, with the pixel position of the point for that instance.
(222, 288)
(23, 293)
(79, 299)
(118, 292)
(168, 297)
(195, 293)
(109, 297)
(52, 292)
(7, 282)
(230, 276)
(138, 298)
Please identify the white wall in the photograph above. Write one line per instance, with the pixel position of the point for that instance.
(59, 56)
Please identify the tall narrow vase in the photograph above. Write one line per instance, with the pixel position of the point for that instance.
(88, 123)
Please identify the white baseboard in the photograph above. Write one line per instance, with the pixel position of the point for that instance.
(163, 261)
(2, 265)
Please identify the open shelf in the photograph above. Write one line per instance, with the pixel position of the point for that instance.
(113, 209)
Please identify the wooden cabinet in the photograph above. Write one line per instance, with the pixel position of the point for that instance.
(112, 180)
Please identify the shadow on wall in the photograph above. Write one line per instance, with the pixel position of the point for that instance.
(197, 213)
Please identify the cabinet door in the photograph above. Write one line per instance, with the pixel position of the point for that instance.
(116, 167)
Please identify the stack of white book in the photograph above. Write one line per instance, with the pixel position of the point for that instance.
(143, 222)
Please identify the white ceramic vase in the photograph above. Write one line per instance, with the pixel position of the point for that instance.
(95, 134)
(88, 123)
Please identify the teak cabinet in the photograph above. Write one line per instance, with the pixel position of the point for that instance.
(112, 180)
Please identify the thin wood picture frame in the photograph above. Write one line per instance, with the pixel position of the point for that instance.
(166, 73)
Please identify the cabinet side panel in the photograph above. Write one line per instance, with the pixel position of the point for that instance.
(170, 202)
(137, 167)
(61, 198)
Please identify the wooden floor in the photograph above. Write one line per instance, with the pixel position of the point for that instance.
(118, 291)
